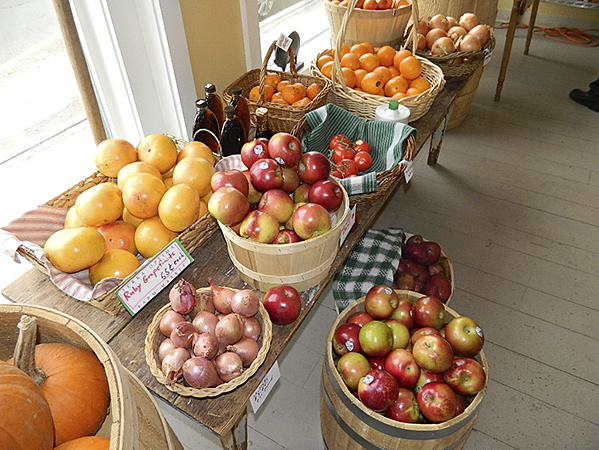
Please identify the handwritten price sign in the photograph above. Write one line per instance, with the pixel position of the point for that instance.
(153, 276)
(265, 386)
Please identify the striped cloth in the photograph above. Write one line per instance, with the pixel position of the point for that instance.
(387, 141)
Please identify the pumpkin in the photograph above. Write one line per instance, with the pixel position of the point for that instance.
(25, 417)
(86, 443)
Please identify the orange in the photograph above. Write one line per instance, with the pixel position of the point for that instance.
(151, 236)
(302, 102)
(73, 249)
(372, 83)
(277, 98)
(410, 68)
(293, 92)
(196, 172)
(282, 85)
(420, 83)
(349, 76)
(112, 155)
(351, 61)
(369, 62)
(359, 76)
(413, 91)
(400, 56)
(360, 49)
(384, 73)
(370, 5)
(396, 85)
(313, 90)
(134, 168)
(142, 194)
(342, 51)
(254, 93)
(269, 90)
(272, 79)
(394, 71)
(179, 207)
(327, 69)
(197, 149)
(322, 60)
(399, 95)
(386, 54)
(100, 204)
(158, 149)
(369, 47)
(115, 263)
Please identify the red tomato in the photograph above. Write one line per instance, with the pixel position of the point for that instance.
(341, 152)
(361, 146)
(348, 168)
(335, 172)
(363, 160)
(339, 138)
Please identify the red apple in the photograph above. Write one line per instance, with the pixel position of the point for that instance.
(427, 377)
(283, 304)
(443, 285)
(403, 313)
(291, 179)
(302, 193)
(259, 226)
(416, 252)
(437, 402)
(377, 390)
(359, 317)
(381, 301)
(401, 364)
(277, 203)
(254, 150)
(326, 193)
(464, 335)
(313, 166)
(419, 271)
(466, 376)
(404, 281)
(435, 269)
(405, 408)
(462, 404)
(415, 239)
(428, 311)
(254, 195)
(234, 178)
(266, 174)
(285, 149)
(377, 363)
(424, 331)
(228, 205)
(433, 353)
(287, 237)
(401, 333)
(430, 291)
(434, 251)
(376, 339)
(311, 220)
(352, 366)
(346, 338)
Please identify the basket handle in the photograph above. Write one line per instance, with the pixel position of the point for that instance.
(265, 64)
(220, 150)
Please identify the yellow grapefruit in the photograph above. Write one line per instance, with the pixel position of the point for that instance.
(112, 155)
(73, 249)
(142, 194)
(115, 263)
(179, 207)
(159, 150)
(100, 204)
(151, 236)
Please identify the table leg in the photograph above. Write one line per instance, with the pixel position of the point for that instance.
(531, 25)
(436, 140)
(236, 438)
(507, 48)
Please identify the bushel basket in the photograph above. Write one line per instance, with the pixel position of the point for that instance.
(280, 117)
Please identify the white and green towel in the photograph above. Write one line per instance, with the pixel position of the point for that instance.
(387, 141)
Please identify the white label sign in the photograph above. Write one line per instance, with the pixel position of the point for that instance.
(284, 42)
(153, 276)
(347, 225)
(265, 386)
(408, 171)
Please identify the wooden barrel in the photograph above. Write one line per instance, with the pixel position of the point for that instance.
(134, 421)
(461, 104)
(347, 424)
(486, 10)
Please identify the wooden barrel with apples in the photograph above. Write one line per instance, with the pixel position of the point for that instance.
(346, 423)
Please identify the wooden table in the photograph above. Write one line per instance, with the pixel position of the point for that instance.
(224, 415)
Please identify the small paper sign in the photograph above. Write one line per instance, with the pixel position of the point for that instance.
(265, 386)
(284, 42)
(153, 276)
(347, 225)
(487, 59)
(408, 171)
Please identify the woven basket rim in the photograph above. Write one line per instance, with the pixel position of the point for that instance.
(150, 349)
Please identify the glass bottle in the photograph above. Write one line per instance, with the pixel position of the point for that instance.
(204, 124)
(215, 103)
(262, 128)
(232, 135)
(243, 109)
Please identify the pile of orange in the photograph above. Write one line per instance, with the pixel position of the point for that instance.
(384, 71)
(285, 92)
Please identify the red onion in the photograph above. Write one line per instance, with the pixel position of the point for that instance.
(251, 328)
(228, 366)
(200, 373)
(182, 297)
(172, 364)
(205, 345)
(245, 302)
(221, 297)
(168, 321)
(247, 349)
(204, 302)
(165, 348)
(205, 321)
(229, 329)
(183, 334)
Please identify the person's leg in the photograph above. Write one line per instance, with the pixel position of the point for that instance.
(589, 98)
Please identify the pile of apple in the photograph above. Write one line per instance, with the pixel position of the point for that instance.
(419, 269)
(283, 196)
(410, 361)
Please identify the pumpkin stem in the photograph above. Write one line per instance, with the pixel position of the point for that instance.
(24, 355)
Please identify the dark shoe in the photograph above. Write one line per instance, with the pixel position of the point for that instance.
(590, 99)
(595, 85)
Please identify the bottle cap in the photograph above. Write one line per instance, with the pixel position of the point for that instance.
(201, 103)
(393, 104)
(230, 111)
(210, 88)
(236, 90)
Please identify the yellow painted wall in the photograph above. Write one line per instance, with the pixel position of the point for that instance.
(557, 10)
(215, 42)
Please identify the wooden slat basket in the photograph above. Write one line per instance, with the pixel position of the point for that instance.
(280, 117)
(347, 423)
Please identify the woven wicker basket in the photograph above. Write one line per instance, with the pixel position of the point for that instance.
(461, 64)
(280, 117)
(191, 238)
(363, 104)
(384, 180)
(154, 337)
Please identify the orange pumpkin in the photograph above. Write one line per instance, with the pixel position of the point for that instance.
(86, 443)
(25, 417)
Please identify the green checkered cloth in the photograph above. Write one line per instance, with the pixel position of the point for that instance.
(387, 141)
(372, 262)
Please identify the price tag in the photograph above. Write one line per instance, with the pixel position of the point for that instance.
(347, 225)
(153, 276)
(265, 386)
(408, 171)
(284, 42)
(487, 59)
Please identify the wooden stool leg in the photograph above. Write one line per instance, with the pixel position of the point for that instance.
(531, 25)
(507, 48)
(236, 438)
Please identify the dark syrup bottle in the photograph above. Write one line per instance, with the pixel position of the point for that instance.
(232, 135)
(262, 127)
(240, 103)
(215, 103)
(205, 126)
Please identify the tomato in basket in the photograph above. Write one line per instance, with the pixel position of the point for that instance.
(348, 168)
(363, 160)
(340, 140)
(340, 153)
(361, 146)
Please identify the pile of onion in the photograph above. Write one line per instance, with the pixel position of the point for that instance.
(443, 35)
(212, 343)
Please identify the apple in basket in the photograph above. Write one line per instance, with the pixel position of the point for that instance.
(466, 376)
(285, 149)
(326, 193)
(352, 366)
(266, 174)
(405, 408)
(254, 150)
(259, 226)
(277, 203)
(437, 401)
(401, 364)
(378, 390)
(291, 179)
(234, 178)
(228, 205)
(433, 353)
(465, 336)
(311, 220)
(313, 166)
